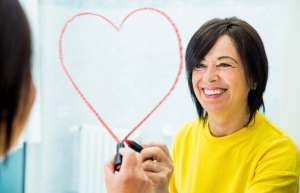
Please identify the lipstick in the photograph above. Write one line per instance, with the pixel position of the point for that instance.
(118, 157)
(134, 145)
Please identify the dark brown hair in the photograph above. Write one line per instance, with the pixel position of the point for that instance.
(15, 66)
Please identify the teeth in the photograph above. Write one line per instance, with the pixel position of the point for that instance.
(213, 91)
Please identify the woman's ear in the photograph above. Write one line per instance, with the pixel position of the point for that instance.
(253, 86)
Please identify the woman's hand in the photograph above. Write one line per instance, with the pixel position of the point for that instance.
(131, 177)
(158, 166)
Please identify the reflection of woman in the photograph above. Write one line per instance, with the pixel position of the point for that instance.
(231, 148)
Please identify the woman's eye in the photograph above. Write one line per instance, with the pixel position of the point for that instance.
(200, 66)
(224, 65)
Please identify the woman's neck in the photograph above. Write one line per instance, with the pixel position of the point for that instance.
(226, 124)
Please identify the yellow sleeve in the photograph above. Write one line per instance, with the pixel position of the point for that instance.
(278, 169)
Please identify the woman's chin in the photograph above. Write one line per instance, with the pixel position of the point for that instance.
(215, 109)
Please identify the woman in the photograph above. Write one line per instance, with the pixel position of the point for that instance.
(231, 147)
(227, 87)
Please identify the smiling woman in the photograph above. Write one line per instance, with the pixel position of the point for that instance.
(237, 41)
(219, 81)
(231, 147)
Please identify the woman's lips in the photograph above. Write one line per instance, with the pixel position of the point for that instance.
(213, 92)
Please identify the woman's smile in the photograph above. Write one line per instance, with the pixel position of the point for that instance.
(213, 93)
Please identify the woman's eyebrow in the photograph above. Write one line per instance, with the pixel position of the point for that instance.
(227, 57)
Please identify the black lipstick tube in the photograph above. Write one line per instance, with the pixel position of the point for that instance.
(118, 157)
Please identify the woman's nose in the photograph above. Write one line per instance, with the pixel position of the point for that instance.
(211, 74)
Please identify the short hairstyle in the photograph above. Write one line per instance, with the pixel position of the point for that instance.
(249, 47)
(15, 66)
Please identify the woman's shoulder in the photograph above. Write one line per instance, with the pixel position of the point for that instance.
(270, 131)
(189, 132)
(186, 138)
(277, 145)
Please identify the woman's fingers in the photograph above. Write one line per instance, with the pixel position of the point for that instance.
(147, 171)
(157, 164)
(109, 169)
(163, 147)
(130, 159)
(158, 179)
(131, 178)
(154, 153)
(152, 166)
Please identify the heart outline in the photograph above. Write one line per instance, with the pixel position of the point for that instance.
(118, 28)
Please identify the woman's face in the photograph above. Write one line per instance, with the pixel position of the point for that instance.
(219, 80)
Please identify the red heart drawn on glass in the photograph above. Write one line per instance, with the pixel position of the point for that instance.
(118, 29)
